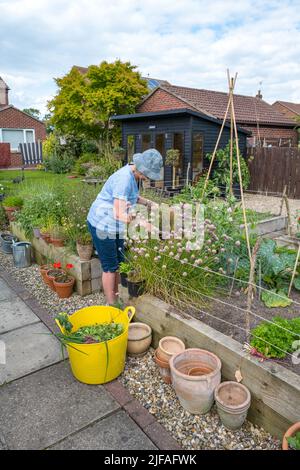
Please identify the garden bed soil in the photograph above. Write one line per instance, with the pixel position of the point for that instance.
(236, 319)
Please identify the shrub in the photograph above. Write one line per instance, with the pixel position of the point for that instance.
(13, 201)
(84, 162)
(59, 163)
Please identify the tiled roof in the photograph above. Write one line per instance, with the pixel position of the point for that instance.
(294, 107)
(248, 109)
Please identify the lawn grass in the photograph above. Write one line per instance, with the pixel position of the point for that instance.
(33, 179)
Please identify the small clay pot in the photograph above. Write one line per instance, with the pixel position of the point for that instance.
(84, 251)
(289, 433)
(164, 369)
(57, 241)
(168, 346)
(51, 274)
(43, 270)
(233, 401)
(46, 236)
(11, 212)
(139, 338)
(64, 289)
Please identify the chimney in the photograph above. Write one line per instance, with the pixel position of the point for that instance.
(3, 93)
(259, 95)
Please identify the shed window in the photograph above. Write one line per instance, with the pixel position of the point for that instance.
(197, 153)
(16, 136)
(146, 142)
(178, 144)
(130, 147)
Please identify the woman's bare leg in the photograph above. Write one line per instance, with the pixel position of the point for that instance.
(109, 283)
(117, 282)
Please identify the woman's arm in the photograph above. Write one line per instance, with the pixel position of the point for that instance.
(120, 211)
(146, 202)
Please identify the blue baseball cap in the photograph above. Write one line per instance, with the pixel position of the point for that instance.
(149, 163)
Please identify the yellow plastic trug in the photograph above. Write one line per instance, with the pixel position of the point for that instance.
(98, 363)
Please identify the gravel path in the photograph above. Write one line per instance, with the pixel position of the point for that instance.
(193, 432)
(143, 381)
(31, 279)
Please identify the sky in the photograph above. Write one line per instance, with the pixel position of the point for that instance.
(187, 42)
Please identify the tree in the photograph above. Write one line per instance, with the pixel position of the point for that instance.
(33, 112)
(85, 103)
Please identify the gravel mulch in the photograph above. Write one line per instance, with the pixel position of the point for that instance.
(31, 279)
(193, 432)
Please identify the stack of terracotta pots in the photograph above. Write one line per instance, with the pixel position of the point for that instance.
(168, 346)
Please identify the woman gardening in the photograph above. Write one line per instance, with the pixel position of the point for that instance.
(110, 215)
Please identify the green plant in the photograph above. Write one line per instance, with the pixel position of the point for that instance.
(57, 231)
(172, 157)
(125, 268)
(84, 238)
(84, 162)
(13, 201)
(276, 339)
(59, 163)
(221, 172)
(294, 441)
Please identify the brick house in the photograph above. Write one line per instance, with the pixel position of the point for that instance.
(16, 127)
(267, 125)
(291, 110)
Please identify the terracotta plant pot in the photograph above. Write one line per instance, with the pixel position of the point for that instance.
(43, 270)
(168, 346)
(195, 392)
(51, 274)
(57, 241)
(46, 236)
(64, 289)
(11, 212)
(84, 251)
(139, 338)
(289, 433)
(233, 401)
(164, 369)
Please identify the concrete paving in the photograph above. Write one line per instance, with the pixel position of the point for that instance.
(41, 404)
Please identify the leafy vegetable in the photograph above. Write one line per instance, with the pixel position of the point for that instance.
(275, 298)
(276, 339)
(294, 441)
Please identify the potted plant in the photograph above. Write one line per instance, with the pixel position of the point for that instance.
(119, 153)
(124, 270)
(135, 283)
(46, 230)
(52, 273)
(11, 205)
(172, 159)
(57, 236)
(84, 246)
(291, 439)
(63, 283)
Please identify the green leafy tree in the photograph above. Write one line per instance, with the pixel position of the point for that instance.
(33, 112)
(85, 103)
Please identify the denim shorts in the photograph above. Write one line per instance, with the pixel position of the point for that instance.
(110, 250)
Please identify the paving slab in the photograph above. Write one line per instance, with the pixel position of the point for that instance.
(14, 313)
(47, 406)
(6, 293)
(28, 349)
(116, 432)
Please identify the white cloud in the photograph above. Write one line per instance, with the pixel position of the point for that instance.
(188, 42)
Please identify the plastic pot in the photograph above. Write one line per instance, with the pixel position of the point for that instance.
(289, 433)
(168, 346)
(139, 338)
(84, 251)
(64, 289)
(233, 401)
(123, 277)
(135, 289)
(6, 242)
(164, 369)
(195, 392)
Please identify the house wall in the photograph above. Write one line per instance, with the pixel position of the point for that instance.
(160, 100)
(186, 124)
(285, 111)
(13, 118)
(273, 132)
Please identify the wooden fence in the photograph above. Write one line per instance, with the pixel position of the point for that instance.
(271, 169)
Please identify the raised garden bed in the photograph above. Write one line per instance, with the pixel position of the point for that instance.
(275, 390)
(87, 274)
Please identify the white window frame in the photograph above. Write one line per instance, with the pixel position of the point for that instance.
(16, 129)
